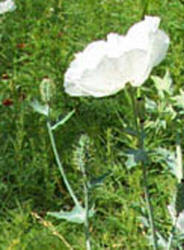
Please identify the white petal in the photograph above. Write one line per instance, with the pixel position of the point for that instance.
(74, 90)
(7, 5)
(133, 67)
(97, 82)
(92, 54)
(146, 35)
(115, 43)
(88, 59)
(159, 47)
(110, 76)
(139, 33)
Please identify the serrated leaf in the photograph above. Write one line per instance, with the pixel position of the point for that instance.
(173, 160)
(179, 100)
(38, 107)
(76, 215)
(95, 182)
(179, 163)
(180, 219)
(170, 111)
(144, 221)
(168, 157)
(157, 124)
(150, 105)
(163, 85)
(134, 157)
(161, 241)
(130, 163)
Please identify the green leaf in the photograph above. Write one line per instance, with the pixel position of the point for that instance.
(179, 100)
(38, 107)
(130, 163)
(163, 85)
(157, 124)
(134, 157)
(179, 163)
(76, 215)
(162, 241)
(95, 182)
(64, 120)
(144, 220)
(169, 111)
(150, 105)
(171, 160)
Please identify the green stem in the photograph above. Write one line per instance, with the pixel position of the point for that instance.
(60, 165)
(145, 8)
(150, 208)
(140, 137)
(86, 195)
(86, 224)
(172, 234)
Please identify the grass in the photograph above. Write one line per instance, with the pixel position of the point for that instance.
(39, 39)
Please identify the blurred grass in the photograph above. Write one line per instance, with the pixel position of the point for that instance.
(39, 39)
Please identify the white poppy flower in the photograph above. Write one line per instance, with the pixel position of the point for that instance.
(6, 6)
(104, 67)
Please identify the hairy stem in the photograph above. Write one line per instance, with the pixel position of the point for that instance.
(86, 224)
(145, 8)
(60, 164)
(86, 195)
(149, 207)
(140, 138)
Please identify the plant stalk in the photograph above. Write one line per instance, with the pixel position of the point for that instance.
(140, 136)
(145, 8)
(86, 195)
(149, 207)
(60, 164)
(172, 234)
(86, 224)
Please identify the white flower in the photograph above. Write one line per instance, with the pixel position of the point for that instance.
(6, 6)
(104, 67)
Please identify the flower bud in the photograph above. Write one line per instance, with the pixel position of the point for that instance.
(47, 89)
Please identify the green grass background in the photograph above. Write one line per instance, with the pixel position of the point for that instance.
(39, 39)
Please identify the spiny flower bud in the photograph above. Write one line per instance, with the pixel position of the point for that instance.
(47, 89)
(81, 151)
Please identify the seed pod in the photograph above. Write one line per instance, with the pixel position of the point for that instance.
(179, 202)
